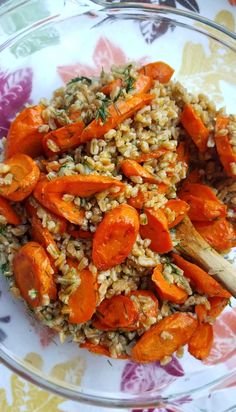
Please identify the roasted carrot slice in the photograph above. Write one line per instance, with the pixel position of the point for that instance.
(25, 174)
(183, 153)
(223, 146)
(115, 237)
(152, 306)
(33, 274)
(158, 71)
(117, 312)
(201, 312)
(100, 349)
(82, 302)
(166, 290)
(152, 155)
(42, 235)
(195, 127)
(80, 234)
(7, 211)
(204, 204)
(111, 86)
(143, 84)
(23, 135)
(117, 113)
(138, 201)
(201, 280)
(201, 341)
(217, 306)
(179, 207)
(220, 233)
(154, 345)
(157, 231)
(131, 168)
(60, 140)
(60, 222)
(50, 193)
(194, 177)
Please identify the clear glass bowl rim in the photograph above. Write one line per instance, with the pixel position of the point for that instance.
(6, 357)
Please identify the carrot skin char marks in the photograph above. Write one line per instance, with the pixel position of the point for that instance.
(115, 237)
(180, 207)
(220, 233)
(32, 271)
(195, 127)
(23, 135)
(132, 168)
(117, 113)
(165, 290)
(25, 176)
(157, 231)
(8, 212)
(204, 204)
(117, 312)
(201, 341)
(82, 302)
(158, 71)
(223, 146)
(152, 347)
(65, 138)
(50, 193)
(201, 280)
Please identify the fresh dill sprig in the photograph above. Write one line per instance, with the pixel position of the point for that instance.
(129, 80)
(80, 79)
(102, 112)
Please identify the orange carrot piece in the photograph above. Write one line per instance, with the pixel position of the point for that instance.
(143, 84)
(195, 127)
(117, 312)
(132, 168)
(25, 174)
(115, 237)
(100, 349)
(152, 155)
(224, 147)
(201, 341)
(51, 166)
(138, 201)
(201, 280)
(63, 139)
(152, 310)
(50, 193)
(23, 135)
(7, 211)
(82, 302)
(201, 312)
(217, 306)
(152, 346)
(166, 290)
(33, 274)
(117, 113)
(80, 234)
(42, 235)
(31, 210)
(157, 231)
(183, 153)
(179, 207)
(158, 71)
(193, 177)
(204, 204)
(220, 233)
(111, 86)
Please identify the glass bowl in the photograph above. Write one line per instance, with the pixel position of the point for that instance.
(43, 45)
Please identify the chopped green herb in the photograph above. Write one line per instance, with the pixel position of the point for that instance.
(129, 80)
(33, 293)
(80, 79)
(102, 112)
(4, 267)
(2, 230)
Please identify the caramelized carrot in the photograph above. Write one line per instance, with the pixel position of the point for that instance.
(153, 346)
(183, 153)
(50, 193)
(80, 234)
(201, 341)
(131, 168)
(180, 209)
(143, 313)
(143, 84)
(195, 127)
(224, 147)
(33, 274)
(201, 280)
(115, 237)
(117, 312)
(117, 113)
(60, 140)
(25, 174)
(142, 197)
(82, 302)
(42, 235)
(158, 71)
(100, 349)
(23, 135)
(220, 233)
(201, 312)
(218, 304)
(111, 86)
(31, 210)
(193, 177)
(204, 204)
(166, 290)
(152, 155)
(157, 231)
(7, 211)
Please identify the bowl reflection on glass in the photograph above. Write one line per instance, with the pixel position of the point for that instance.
(44, 48)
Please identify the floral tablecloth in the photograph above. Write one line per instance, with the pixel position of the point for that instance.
(17, 395)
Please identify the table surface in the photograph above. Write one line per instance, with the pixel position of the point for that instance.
(17, 395)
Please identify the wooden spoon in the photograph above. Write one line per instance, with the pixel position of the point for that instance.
(193, 245)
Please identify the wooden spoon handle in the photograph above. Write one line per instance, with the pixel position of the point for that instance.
(193, 245)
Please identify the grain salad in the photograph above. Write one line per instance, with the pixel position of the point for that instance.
(93, 184)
